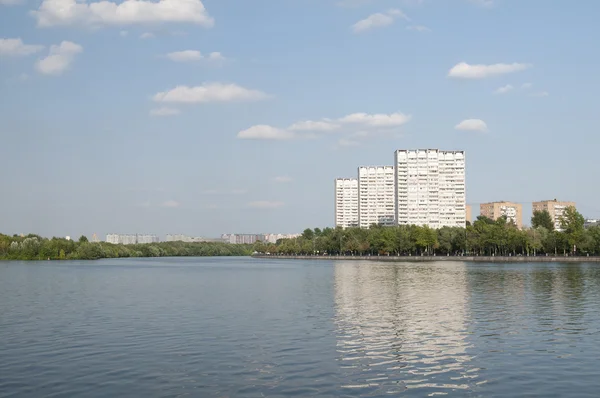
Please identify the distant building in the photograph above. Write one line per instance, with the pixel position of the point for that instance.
(376, 199)
(131, 239)
(249, 239)
(188, 239)
(555, 208)
(591, 223)
(512, 211)
(346, 202)
(67, 237)
(468, 212)
(430, 188)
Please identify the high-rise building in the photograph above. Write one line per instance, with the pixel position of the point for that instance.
(376, 203)
(555, 208)
(512, 211)
(430, 188)
(469, 213)
(346, 202)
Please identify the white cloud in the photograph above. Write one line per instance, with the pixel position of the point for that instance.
(171, 203)
(472, 125)
(164, 112)
(265, 132)
(216, 56)
(504, 89)
(183, 56)
(418, 28)
(10, 2)
(209, 92)
(282, 179)
(526, 86)
(346, 125)
(377, 120)
(59, 59)
(123, 33)
(128, 12)
(16, 48)
(310, 125)
(146, 35)
(194, 56)
(465, 71)
(264, 204)
(378, 20)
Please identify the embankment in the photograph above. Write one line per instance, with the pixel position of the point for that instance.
(479, 259)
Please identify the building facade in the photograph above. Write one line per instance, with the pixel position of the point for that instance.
(512, 211)
(430, 188)
(249, 239)
(555, 208)
(346, 202)
(376, 199)
(469, 213)
(131, 239)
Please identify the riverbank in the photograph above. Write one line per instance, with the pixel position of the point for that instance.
(477, 259)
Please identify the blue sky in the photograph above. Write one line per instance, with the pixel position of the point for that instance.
(227, 116)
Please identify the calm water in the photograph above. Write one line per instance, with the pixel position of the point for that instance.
(255, 328)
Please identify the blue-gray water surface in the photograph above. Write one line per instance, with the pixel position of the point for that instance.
(242, 327)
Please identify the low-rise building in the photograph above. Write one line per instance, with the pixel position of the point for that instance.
(512, 211)
(131, 239)
(555, 208)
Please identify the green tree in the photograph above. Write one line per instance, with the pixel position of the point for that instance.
(542, 219)
(83, 239)
(572, 224)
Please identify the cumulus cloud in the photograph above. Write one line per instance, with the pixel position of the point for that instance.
(146, 35)
(347, 143)
(164, 112)
(209, 92)
(472, 125)
(464, 70)
(171, 203)
(265, 204)
(355, 124)
(310, 125)
(265, 132)
(378, 20)
(541, 94)
(129, 12)
(483, 3)
(59, 59)
(194, 55)
(526, 86)
(123, 33)
(16, 48)
(376, 120)
(504, 89)
(282, 179)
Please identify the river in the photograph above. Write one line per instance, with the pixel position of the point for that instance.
(242, 327)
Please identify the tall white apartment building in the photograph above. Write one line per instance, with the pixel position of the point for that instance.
(376, 196)
(430, 188)
(346, 202)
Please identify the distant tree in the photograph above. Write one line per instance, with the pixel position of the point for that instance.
(572, 224)
(308, 234)
(83, 239)
(542, 219)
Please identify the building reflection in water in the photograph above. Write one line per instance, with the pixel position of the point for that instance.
(403, 327)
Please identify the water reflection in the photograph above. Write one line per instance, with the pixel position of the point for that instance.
(403, 327)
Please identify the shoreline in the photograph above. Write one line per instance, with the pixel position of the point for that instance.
(474, 259)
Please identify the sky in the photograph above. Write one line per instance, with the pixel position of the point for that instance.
(222, 116)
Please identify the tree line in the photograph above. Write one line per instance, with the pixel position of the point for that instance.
(484, 237)
(35, 247)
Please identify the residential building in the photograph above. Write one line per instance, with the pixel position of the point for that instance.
(188, 239)
(346, 202)
(591, 223)
(430, 188)
(131, 239)
(248, 239)
(376, 202)
(512, 211)
(555, 208)
(468, 212)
